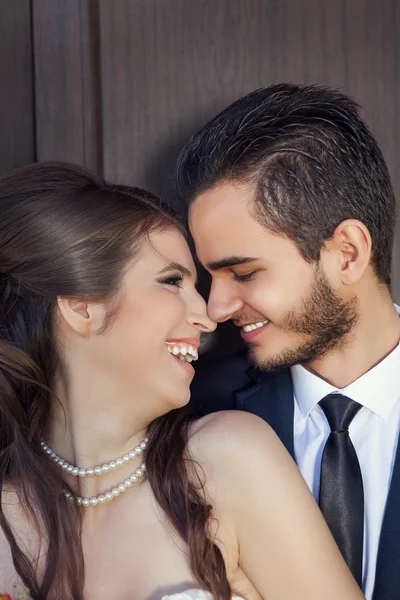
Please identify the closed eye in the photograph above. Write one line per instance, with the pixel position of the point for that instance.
(174, 280)
(243, 278)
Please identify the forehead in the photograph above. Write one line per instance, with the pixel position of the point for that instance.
(222, 223)
(163, 247)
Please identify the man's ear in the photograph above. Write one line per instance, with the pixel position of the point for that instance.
(76, 314)
(352, 246)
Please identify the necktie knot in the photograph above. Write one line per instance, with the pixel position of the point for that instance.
(339, 411)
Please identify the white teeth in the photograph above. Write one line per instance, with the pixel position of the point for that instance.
(254, 326)
(185, 352)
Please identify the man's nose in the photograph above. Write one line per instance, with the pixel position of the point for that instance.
(223, 303)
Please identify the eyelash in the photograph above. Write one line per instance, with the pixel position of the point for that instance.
(174, 280)
(243, 278)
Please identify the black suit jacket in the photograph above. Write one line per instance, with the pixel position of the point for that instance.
(231, 383)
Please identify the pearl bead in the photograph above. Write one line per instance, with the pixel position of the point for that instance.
(99, 470)
(95, 500)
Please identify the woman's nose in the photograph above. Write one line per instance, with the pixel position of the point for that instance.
(199, 316)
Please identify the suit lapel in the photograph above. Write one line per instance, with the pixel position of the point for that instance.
(387, 580)
(271, 398)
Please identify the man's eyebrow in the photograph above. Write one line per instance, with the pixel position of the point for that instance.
(229, 261)
(174, 266)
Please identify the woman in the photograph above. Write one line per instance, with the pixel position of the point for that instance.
(107, 491)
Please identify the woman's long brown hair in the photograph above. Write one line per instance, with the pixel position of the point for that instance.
(67, 232)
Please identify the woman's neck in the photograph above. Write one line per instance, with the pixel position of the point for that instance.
(86, 429)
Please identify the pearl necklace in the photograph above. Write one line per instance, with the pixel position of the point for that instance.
(99, 470)
(111, 494)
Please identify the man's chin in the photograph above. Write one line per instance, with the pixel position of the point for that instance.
(287, 357)
(261, 360)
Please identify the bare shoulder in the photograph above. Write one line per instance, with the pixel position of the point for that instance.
(237, 454)
(230, 423)
(226, 436)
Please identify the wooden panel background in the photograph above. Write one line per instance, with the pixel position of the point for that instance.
(17, 129)
(120, 85)
(67, 90)
(169, 66)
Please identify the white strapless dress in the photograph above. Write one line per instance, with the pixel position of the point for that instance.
(194, 595)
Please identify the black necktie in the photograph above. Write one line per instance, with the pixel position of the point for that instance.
(341, 496)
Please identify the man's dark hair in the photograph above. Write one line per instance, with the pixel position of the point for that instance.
(313, 162)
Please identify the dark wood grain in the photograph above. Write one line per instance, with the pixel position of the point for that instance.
(17, 145)
(120, 85)
(67, 81)
(169, 66)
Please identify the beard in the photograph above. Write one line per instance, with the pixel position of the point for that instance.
(324, 318)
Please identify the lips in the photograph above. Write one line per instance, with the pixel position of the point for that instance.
(182, 350)
(184, 361)
(253, 326)
(251, 330)
(192, 341)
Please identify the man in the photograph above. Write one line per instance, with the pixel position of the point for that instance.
(292, 212)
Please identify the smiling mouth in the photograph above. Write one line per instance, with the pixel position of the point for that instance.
(185, 352)
(253, 326)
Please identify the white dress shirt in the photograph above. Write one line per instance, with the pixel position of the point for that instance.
(374, 432)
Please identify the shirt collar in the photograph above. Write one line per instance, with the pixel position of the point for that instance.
(378, 389)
